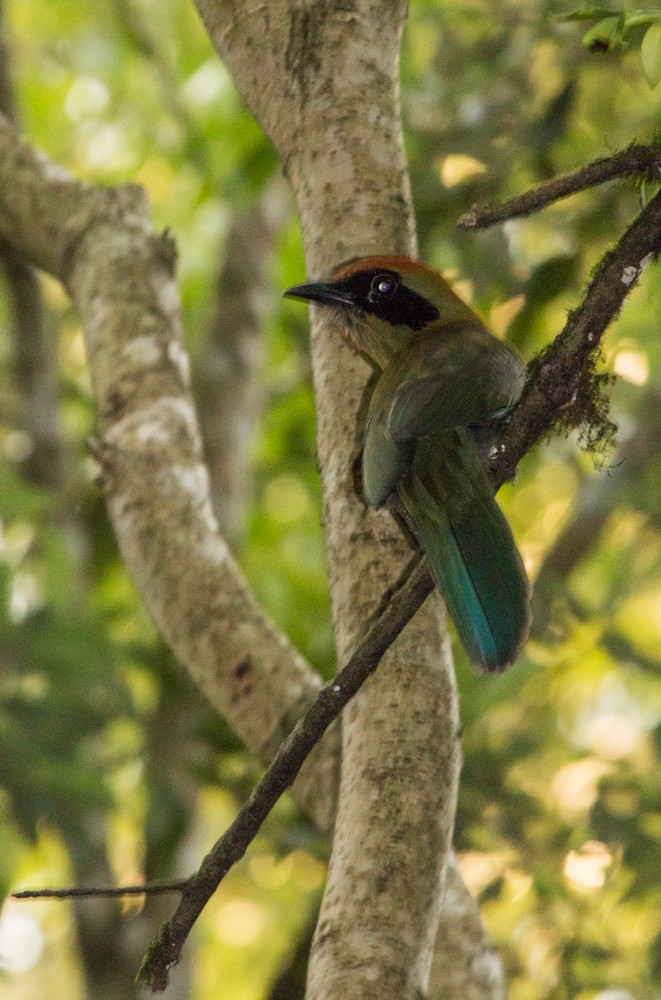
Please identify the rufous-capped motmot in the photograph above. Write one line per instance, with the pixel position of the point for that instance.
(443, 378)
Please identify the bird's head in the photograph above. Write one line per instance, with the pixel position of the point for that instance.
(385, 301)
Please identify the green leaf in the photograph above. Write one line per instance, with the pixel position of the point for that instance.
(650, 54)
(605, 35)
(587, 14)
(638, 18)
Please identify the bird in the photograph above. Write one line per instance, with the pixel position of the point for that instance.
(444, 382)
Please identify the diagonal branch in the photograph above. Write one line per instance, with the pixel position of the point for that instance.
(100, 243)
(635, 161)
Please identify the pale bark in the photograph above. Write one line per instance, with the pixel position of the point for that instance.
(99, 242)
(335, 123)
(466, 964)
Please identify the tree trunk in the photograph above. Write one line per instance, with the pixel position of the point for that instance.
(334, 120)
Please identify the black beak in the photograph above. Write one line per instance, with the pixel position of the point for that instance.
(320, 291)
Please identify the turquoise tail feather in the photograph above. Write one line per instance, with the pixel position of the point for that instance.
(470, 549)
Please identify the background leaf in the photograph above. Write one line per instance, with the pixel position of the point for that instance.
(650, 54)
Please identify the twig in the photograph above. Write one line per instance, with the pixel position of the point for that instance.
(555, 386)
(623, 650)
(148, 889)
(639, 161)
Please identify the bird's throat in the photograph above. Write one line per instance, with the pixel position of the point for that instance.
(379, 341)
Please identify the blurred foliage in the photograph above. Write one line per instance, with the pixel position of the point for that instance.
(110, 761)
(617, 29)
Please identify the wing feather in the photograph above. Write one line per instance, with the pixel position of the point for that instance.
(454, 376)
(460, 376)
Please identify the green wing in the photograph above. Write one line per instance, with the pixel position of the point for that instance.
(470, 547)
(454, 376)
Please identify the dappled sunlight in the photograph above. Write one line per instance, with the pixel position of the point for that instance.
(586, 868)
(480, 869)
(38, 939)
(576, 785)
(632, 366)
(455, 169)
(113, 764)
(87, 97)
(21, 939)
(239, 922)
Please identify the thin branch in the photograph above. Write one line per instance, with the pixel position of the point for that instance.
(618, 646)
(636, 161)
(623, 650)
(131, 22)
(147, 889)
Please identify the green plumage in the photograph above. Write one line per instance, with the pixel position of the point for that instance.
(417, 443)
(443, 374)
(469, 546)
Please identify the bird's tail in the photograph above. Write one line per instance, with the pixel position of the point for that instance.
(471, 551)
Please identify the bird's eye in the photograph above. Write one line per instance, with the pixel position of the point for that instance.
(383, 285)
